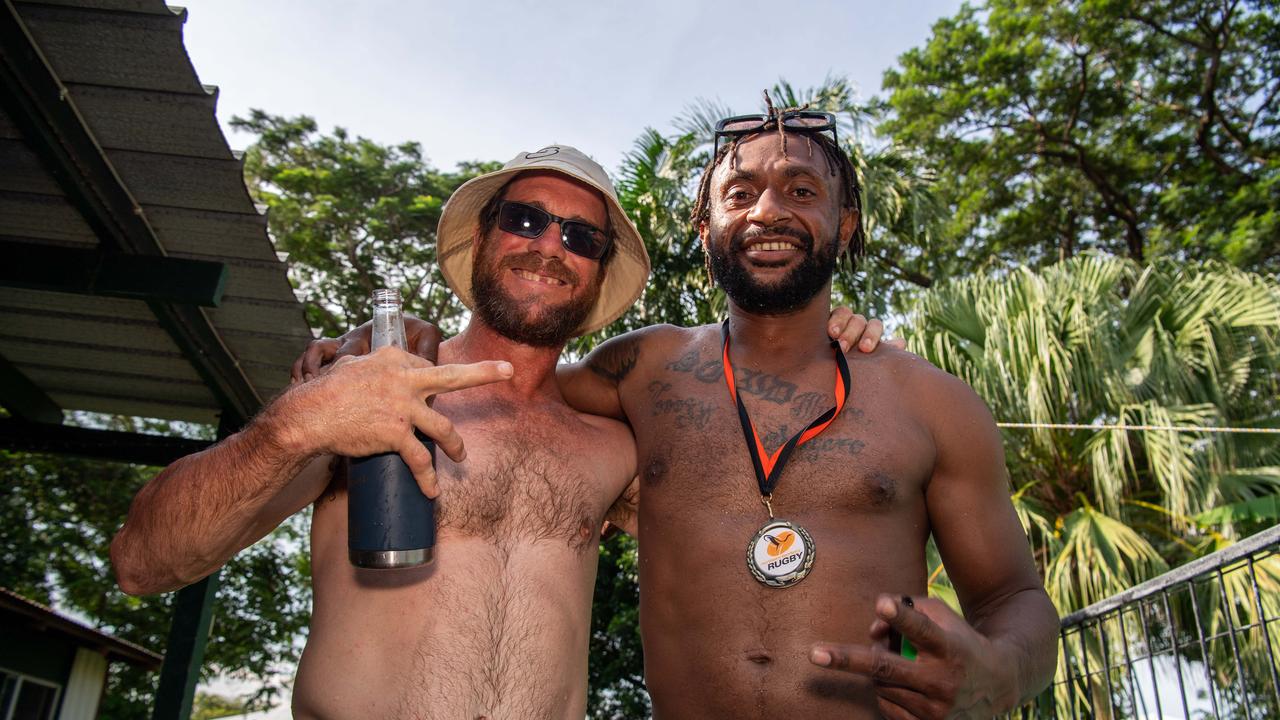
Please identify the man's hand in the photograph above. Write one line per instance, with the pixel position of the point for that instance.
(851, 329)
(421, 338)
(955, 674)
(372, 404)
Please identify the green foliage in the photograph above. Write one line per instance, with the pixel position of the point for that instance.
(1135, 127)
(1101, 340)
(57, 518)
(353, 216)
(209, 706)
(616, 663)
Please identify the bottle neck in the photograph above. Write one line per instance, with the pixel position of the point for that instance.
(388, 320)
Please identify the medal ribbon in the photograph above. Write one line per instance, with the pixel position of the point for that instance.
(769, 467)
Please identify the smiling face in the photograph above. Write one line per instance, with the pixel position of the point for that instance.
(533, 290)
(776, 225)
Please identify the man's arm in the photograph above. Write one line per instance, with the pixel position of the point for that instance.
(984, 547)
(201, 510)
(845, 326)
(593, 384)
(1004, 650)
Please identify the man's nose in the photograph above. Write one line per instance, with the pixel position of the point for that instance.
(548, 243)
(769, 208)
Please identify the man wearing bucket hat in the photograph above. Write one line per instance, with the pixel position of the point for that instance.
(497, 626)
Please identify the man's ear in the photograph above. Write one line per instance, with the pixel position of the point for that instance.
(702, 233)
(848, 223)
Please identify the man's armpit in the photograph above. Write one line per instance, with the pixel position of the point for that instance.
(337, 480)
(623, 513)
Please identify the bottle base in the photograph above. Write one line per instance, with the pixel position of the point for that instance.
(391, 559)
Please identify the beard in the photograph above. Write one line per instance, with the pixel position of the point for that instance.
(520, 320)
(785, 296)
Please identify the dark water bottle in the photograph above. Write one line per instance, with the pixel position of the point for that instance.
(390, 523)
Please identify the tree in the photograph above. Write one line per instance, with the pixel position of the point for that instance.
(1141, 128)
(210, 706)
(57, 518)
(353, 216)
(1103, 341)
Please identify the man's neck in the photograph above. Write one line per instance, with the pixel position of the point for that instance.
(781, 341)
(534, 366)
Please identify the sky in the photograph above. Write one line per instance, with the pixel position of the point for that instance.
(487, 80)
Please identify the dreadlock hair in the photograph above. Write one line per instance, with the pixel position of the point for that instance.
(837, 160)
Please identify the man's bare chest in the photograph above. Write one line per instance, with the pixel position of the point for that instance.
(527, 479)
(693, 450)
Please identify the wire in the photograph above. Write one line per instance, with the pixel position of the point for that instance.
(1174, 428)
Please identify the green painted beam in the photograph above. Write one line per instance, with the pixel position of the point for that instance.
(137, 448)
(93, 271)
(23, 398)
(184, 653)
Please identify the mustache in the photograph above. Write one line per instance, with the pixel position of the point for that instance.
(752, 233)
(533, 262)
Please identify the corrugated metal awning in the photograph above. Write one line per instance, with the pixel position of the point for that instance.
(155, 171)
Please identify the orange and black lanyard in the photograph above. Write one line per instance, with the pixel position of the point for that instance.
(769, 467)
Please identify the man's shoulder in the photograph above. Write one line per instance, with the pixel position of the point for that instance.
(660, 335)
(653, 344)
(918, 381)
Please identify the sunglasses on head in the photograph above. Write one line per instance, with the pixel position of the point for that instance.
(577, 237)
(804, 121)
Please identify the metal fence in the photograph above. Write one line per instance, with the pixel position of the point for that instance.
(1200, 641)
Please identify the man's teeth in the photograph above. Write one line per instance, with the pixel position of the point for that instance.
(538, 278)
(773, 246)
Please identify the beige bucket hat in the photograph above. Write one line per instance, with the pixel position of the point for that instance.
(628, 270)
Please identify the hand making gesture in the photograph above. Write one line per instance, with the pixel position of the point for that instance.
(950, 677)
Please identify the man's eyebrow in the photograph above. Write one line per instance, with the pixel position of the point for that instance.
(794, 171)
(739, 175)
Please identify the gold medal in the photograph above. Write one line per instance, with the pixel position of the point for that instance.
(781, 554)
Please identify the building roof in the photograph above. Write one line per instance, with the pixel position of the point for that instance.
(51, 621)
(111, 158)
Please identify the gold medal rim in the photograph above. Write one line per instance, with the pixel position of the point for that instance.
(792, 577)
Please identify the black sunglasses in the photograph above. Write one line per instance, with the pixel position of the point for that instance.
(578, 237)
(804, 121)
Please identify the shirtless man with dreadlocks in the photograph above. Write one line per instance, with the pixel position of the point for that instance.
(772, 532)
(783, 518)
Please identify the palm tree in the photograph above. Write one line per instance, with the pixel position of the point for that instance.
(1148, 356)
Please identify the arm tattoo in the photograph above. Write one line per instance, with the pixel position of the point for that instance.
(614, 362)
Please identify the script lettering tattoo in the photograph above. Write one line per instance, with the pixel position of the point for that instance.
(711, 372)
(769, 387)
(776, 438)
(809, 405)
(690, 413)
(751, 382)
(819, 447)
(615, 360)
(686, 363)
